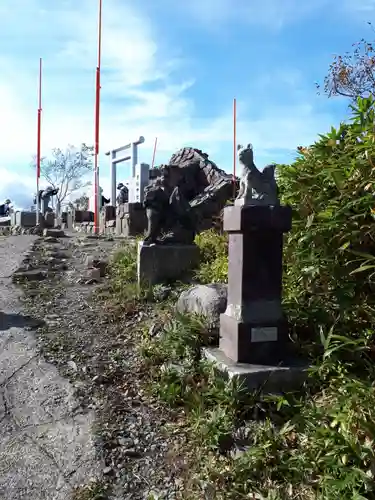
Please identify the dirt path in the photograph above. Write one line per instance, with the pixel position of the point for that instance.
(94, 344)
(46, 446)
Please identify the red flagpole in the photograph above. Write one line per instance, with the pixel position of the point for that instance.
(234, 145)
(97, 119)
(153, 156)
(38, 148)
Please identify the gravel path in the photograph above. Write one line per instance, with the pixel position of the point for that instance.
(94, 344)
(45, 438)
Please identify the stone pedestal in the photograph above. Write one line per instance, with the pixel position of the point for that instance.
(83, 216)
(131, 219)
(163, 263)
(23, 218)
(107, 220)
(49, 219)
(288, 376)
(67, 220)
(253, 328)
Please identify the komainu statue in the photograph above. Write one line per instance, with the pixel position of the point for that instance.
(256, 188)
(184, 197)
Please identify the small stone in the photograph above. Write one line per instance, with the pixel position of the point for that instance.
(154, 330)
(93, 276)
(72, 365)
(206, 300)
(125, 442)
(89, 261)
(107, 470)
(57, 233)
(30, 275)
(131, 453)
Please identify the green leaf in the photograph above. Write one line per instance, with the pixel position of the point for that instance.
(364, 255)
(345, 246)
(363, 268)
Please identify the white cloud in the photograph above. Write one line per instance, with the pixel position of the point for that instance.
(141, 91)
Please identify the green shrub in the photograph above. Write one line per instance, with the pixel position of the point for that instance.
(213, 248)
(124, 265)
(122, 294)
(330, 252)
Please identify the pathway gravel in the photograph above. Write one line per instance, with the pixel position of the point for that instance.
(46, 445)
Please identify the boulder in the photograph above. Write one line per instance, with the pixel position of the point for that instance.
(55, 233)
(206, 300)
(202, 183)
(29, 275)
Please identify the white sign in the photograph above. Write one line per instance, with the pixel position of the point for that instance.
(264, 334)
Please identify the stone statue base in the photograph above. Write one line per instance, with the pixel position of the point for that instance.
(270, 379)
(81, 216)
(131, 219)
(162, 263)
(23, 218)
(107, 220)
(240, 202)
(253, 328)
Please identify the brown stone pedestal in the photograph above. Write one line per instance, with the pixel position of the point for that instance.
(253, 328)
(131, 219)
(162, 263)
(107, 220)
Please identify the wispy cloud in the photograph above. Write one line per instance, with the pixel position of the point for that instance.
(147, 86)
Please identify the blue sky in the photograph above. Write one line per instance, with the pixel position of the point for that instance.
(170, 69)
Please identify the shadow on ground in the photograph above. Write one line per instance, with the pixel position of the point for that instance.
(18, 321)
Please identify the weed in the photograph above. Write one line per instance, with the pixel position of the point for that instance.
(97, 490)
(213, 248)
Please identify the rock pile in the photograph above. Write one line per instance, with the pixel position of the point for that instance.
(203, 184)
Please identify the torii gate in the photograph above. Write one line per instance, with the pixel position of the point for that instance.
(114, 160)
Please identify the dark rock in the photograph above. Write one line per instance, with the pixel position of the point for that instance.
(37, 231)
(186, 195)
(56, 233)
(51, 239)
(131, 453)
(93, 262)
(29, 275)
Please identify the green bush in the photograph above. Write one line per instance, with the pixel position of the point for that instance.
(122, 294)
(213, 248)
(315, 446)
(330, 252)
(124, 265)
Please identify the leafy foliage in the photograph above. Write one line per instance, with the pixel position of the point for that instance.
(213, 257)
(353, 74)
(122, 295)
(312, 445)
(328, 278)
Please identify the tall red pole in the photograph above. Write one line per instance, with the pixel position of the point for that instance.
(153, 156)
(38, 147)
(234, 145)
(97, 119)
